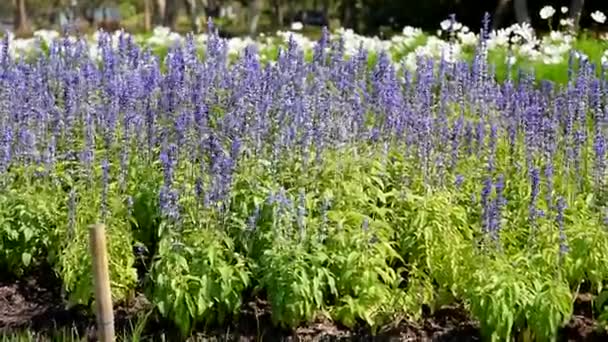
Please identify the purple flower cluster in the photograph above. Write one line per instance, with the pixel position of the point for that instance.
(195, 119)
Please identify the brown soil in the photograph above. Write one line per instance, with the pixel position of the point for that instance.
(582, 326)
(35, 303)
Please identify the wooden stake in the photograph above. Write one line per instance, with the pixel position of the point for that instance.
(101, 280)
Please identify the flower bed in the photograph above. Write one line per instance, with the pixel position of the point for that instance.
(330, 185)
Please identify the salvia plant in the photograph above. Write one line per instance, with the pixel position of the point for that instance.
(333, 187)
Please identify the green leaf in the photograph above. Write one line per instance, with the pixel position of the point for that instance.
(26, 258)
(28, 233)
(600, 300)
(190, 304)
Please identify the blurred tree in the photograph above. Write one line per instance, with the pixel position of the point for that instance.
(502, 8)
(255, 10)
(521, 11)
(196, 12)
(500, 12)
(349, 17)
(165, 12)
(160, 7)
(171, 11)
(364, 16)
(576, 8)
(21, 19)
(147, 15)
(278, 11)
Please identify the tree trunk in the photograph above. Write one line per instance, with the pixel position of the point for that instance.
(521, 11)
(22, 23)
(345, 20)
(499, 13)
(147, 15)
(255, 10)
(279, 12)
(195, 12)
(160, 12)
(349, 14)
(576, 7)
(326, 8)
(171, 14)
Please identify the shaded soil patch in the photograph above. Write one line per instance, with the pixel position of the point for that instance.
(38, 306)
(35, 303)
(582, 326)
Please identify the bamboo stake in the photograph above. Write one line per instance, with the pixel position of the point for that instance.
(101, 279)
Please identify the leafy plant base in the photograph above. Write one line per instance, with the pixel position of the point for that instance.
(32, 306)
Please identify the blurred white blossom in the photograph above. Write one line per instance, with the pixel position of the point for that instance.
(598, 17)
(547, 12)
(467, 38)
(604, 59)
(297, 26)
(445, 25)
(521, 39)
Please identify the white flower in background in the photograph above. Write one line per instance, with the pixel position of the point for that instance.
(598, 17)
(564, 9)
(47, 36)
(560, 37)
(554, 49)
(566, 22)
(498, 38)
(547, 12)
(467, 38)
(604, 59)
(511, 60)
(438, 33)
(352, 41)
(21, 47)
(445, 25)
(465, 29)
(406, 40)
(553, 59)
(175, 38)
(528, 50)
(297, 26)
(524, 30)
(162, 36)
(94, 53)
(580, 56)
(450, 25)
(303, 42)
(556, 35)
(238, 45)
(410, 61)
(161, 31)
(410, 31)
(201, 38)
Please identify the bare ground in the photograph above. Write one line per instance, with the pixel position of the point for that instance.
(35, 303)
